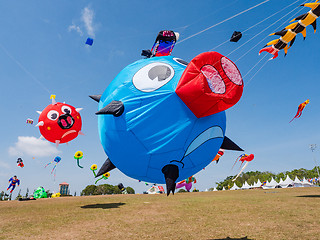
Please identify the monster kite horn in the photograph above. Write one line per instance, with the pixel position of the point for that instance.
(106, 167)
(228, 144)
(115, 108)
(96, 97)
(171, 173)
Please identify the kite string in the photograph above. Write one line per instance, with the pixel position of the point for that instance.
(217, 10)
(225, 20)
(259, 41)
(24, 69)
(257, 72)
(256, 25)
(256, 45)
(264, 37)
(254, 66)
(266, 54)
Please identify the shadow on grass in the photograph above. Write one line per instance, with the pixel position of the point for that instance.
(310, 196)
(104, 205)
(229, 238)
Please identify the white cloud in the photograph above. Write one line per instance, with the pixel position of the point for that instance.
(32, 146)
(115, 54)
(4, 165)
(87, 18)
(76, 28)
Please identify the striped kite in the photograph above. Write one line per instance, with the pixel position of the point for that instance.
(288, 34)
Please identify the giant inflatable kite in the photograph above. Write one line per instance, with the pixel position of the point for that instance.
(288, 34)
(162, 120)
(59, 122)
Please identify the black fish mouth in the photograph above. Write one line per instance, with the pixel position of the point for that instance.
(65, 121)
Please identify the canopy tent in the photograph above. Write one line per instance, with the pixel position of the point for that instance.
(288, 182)
(245, 185)
(223, 189)
(214, 189)
(297, 182)
(235, 187)
(280, 183)
(257, 184)
(271, 184)
(305, 183)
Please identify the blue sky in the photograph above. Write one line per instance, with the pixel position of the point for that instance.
(42, 52)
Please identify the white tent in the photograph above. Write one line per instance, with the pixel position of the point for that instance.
(257, 184)
(288, 182)
(280, 182)
(305, 183)
(245, 185)
(297, 182)
(235, 187)
(214, 189)
(271, 184)
(223, 189)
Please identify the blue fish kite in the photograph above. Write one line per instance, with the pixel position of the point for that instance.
(162, 120)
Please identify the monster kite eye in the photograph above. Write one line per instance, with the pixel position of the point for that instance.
(52, 115)
(153, 76)
(211, 83)
(66, 110)
(183, 62)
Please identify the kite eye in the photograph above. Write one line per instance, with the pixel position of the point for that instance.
(183, 62)
(66, 110)
(214, 79)
(231, 70)
(52, 115)
(153, 76)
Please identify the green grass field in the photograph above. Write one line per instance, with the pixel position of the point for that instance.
(255, 214)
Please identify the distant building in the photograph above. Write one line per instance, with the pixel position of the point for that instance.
(64, 188)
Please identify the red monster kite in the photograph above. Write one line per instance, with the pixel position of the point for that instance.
(59, 122)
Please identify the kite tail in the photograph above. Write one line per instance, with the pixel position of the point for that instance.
(53, 168)
(54, 175)
(240, 165)
(292, 119)
(235, 162)
(48, 164)
(270, 50)
(296, 116)
(244, 167)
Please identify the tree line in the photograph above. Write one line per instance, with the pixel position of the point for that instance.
(104, 189)
(253, 176)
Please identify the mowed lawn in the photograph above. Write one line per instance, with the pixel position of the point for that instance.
(255, 214)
